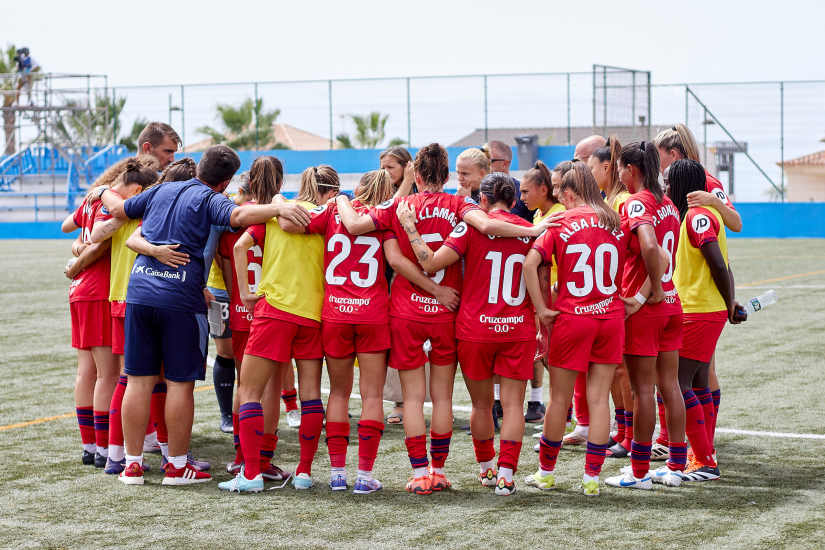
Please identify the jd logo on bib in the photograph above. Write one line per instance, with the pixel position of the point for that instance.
(635, 209)
(701, 223)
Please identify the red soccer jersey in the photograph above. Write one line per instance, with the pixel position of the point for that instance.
(642, 208)
(494, 304)
(438, 214)
(590, 262)
(714, 186)
(240, 318)
(710, 231)
(93, 282)
(355, 288)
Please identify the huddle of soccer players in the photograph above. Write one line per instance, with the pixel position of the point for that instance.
(626, 282)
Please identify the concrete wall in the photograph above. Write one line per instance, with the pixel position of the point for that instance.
(760, 220)
(806, 183)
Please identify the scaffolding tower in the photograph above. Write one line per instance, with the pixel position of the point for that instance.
(61, 128)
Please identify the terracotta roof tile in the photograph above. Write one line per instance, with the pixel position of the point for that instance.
(807, 160)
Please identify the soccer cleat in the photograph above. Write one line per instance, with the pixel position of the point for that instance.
(659, 451)
(419, 485)
(537, 448)
(100, 460)
(590, 488)
(488, 478)
(150, 443)
(338, 483)
(504, 489)
(535, 412)
(576, 437)
(239, 484)
(88, 458)
(497, 408)
(273, 473)
(133, 475)
(365, 487)
(293, 418)
(666, 476)
(302, 482)
(114, 468)
(184, 476)
(439, 482)
(618, 451)
(629, 481)
(545, 483)
(233, 468)
(702, 473)
(199, 465)
(226, 424)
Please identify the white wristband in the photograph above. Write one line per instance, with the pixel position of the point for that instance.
(641, 299)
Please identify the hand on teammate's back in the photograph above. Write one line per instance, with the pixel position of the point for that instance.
(656, 296)
(547, 223)
(295, 213)
(406, 215)
(167, 255)
(447, 297)
(631, 306)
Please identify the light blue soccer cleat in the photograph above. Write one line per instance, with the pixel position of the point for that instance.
(242, 485)
(302, 481)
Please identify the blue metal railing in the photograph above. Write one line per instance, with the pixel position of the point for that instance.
(63, 201)
(14, 166)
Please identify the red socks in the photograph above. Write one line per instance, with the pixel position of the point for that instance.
(158, 412)
(695, 428)
(662, 439)
(508, 454)
(594, 459)
(484, 449)
(580, 400)
(640, 458)
(337, 441)
(251, 421)
(628, 430)
(115, 425)
(548, 453)
(86, 423)
(620, 424)
(236, 436)
(312, 421)
(439, 448)
(716, 396)
(268, 445)
(290, 399)
(101, 428)
(678, 456)
(369, 436)
(706, 400)
(417, 451)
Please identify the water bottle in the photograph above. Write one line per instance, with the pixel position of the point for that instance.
(755, 304)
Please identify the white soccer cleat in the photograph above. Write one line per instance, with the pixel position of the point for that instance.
(629, 481)
(666, 476)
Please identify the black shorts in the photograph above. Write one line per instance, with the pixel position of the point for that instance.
(158, 337)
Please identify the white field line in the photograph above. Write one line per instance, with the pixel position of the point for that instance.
(460, 408)
(775, 287)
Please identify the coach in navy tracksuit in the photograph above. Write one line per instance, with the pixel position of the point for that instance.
(165, 313)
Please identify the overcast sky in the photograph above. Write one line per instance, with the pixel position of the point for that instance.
(184, 41)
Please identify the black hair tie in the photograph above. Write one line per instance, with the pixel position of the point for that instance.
(315, 168)
(674, 129)
(536, 165)
(643, 146)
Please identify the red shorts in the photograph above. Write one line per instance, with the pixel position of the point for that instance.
(91, 324)
(118, 335)
(700, 333)
(647, 336)
(480, 361)
(578, 340)
(239, 340)
(283, 341)
(344, 339)
(408, 337)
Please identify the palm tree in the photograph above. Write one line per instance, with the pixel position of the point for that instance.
(94, 126)
(7, 85)
(131, 140)
(240, 129)
(369, 132)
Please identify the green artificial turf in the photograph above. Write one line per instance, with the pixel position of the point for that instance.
(771, 495)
